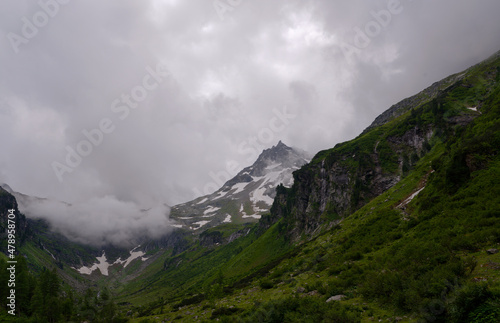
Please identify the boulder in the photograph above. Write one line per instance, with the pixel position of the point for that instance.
(335, 298)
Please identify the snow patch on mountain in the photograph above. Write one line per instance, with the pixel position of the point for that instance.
(239, 187)
(255, 216)
(259, 196)
(203, 201)
(133, 255)
(221, 194)
(211, 209)
(200, 223)
(103, 264)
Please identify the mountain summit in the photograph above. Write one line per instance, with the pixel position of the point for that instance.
(245, 197)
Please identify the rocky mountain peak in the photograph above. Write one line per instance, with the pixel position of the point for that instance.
(248, 195)
(276, 158)
(277, 153)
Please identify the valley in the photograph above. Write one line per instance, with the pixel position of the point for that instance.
(400, 224)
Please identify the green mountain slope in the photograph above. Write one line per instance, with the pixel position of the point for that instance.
(398, 221)
(399, 224)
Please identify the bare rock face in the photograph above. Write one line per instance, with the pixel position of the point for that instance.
(337, 183)
(8, 202)
(329, 189)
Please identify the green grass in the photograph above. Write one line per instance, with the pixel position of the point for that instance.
(425, 260)
(388, 261)
(267, 247)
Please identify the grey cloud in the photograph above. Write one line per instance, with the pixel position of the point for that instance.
(226, 77)
(100, 221)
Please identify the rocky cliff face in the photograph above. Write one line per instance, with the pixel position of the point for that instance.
(341, 180)
(8, 201)
(331, 188)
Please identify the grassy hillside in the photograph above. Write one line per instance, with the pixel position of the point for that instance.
(417, 252)
(401, 224)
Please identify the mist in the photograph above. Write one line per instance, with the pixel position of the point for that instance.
(121, 106)
(100, 221)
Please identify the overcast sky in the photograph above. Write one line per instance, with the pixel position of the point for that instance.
(180, 90)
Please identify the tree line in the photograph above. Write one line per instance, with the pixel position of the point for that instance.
(41, 298)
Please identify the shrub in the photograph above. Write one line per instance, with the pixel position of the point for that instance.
(457, 172)
(225, 311)
(189, 301)
(486, 313)
(266, 284)
(469, 300)
(303, 309)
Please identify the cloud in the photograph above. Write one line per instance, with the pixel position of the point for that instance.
(226, 76)
(100, 220)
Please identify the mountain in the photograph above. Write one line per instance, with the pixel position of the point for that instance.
(250, 190)
(44, 247)
(341, 180)
(400, 224)
(245, 197)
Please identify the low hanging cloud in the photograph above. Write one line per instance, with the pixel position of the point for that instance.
(100, 221)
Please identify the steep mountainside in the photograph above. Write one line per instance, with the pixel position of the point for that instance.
(245, 197)
(8, 202)
(399, 224)
(341, 180)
